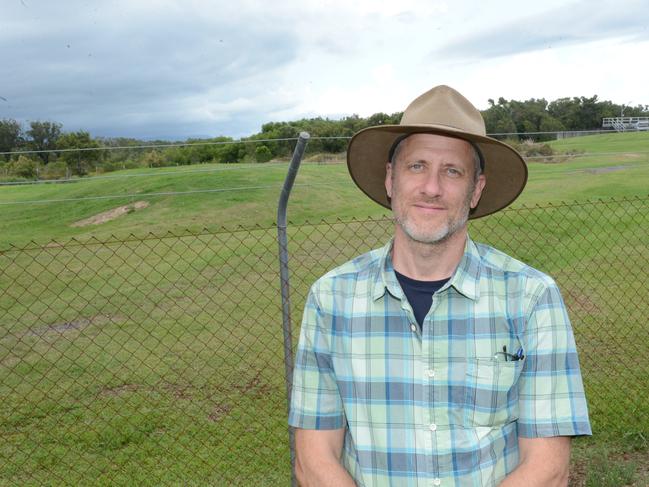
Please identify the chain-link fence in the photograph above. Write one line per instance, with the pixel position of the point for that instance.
(159, 360)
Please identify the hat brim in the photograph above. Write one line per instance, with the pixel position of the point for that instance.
(505, 169)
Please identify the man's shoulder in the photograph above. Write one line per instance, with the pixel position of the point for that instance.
(362, 266)
(498, 262)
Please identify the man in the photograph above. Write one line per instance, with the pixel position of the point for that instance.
(436, 360)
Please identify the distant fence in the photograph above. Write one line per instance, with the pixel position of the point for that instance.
(158, 360)
(21, 167)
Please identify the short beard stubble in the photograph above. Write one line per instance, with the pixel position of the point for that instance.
(447, 229)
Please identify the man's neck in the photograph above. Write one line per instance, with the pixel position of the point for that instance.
(428, 262)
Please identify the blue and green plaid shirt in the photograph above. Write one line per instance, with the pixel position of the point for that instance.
(441, 406)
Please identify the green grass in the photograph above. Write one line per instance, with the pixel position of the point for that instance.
(613, 142)
(594, 464)
(150, 360)
(322, 191)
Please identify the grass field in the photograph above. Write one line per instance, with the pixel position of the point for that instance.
(321, 192)
(149, 360)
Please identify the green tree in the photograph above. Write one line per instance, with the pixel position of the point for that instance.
(230, 153)
(566, 110)
(379, 118)
(498, 119)
(43, 136)
(523, 117)
(10, 136)
(549, 124)
(79, 162)
(582, 113)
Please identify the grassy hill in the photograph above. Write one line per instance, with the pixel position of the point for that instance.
(215, 195)
(160, 361)
(626, 142)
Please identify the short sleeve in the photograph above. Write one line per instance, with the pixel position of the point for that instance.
(315, 398)
(551, 392)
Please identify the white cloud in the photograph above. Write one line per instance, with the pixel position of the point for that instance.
(189, 67)
(572, 24)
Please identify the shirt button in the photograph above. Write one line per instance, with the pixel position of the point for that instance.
(413, 327)
(433, 427)
(437, 482)
(430, 373)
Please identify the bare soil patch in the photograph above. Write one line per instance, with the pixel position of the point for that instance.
(179, 391)
(604, 170)
(579, 469)
(219, 412)
(119, 390)
(57, 329)
(109, 215)
(61, 327)
(255, 387)
(582, 301)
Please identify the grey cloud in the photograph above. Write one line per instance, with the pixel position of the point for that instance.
(576, 23)
(118, 74)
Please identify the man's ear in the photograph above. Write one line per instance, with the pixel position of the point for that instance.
(388, 179)
(477, 191)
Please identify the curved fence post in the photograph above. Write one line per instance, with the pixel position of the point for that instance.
(298, 153)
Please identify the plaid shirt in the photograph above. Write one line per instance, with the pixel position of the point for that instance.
(441, 406)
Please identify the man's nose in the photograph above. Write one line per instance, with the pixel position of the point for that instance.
(431, 185)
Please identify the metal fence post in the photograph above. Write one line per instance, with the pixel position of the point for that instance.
(298, 153)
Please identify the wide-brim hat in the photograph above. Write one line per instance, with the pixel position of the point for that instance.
(443, 111)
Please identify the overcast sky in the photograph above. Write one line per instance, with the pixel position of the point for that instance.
(179, 68)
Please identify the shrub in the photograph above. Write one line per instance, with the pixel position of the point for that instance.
(153, 159)
(24, 167)
(530, 148)
(263, 154)
(54, 170)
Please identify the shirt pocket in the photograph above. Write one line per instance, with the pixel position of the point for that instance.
(491, 395)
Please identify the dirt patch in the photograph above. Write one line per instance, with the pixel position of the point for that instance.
(579, 470)
(179, 391)
(578, 474)
(604, 170)
(69, 326)
(255, 387)
(109, 215)
(119, 390)
(581, 301)
(59, 328)
(219, 411)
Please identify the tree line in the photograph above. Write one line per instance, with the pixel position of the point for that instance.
(58, 156)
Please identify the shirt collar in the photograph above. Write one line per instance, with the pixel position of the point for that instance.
(465, 279)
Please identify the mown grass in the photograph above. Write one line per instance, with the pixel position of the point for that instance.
(614, 142)
(323, 191)
(159, 360)
(146, 362)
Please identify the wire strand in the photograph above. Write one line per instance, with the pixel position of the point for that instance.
(164, 193)
(150, 146)
(255, 141)
(275, 165)
(257, 166)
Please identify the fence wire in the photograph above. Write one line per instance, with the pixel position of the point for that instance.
(159, 360)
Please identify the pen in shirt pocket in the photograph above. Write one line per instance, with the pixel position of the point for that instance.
(511, 357)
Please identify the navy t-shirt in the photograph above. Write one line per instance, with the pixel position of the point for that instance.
(420, 294)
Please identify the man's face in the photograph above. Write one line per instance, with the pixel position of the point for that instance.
(433, 186)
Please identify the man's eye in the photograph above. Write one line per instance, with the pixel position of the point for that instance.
(416, 166)
(453, 171)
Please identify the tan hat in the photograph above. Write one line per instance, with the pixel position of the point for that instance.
(443, 111)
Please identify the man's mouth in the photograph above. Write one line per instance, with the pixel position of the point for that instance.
(426, 207)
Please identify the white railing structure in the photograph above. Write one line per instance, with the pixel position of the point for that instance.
(622, 124)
